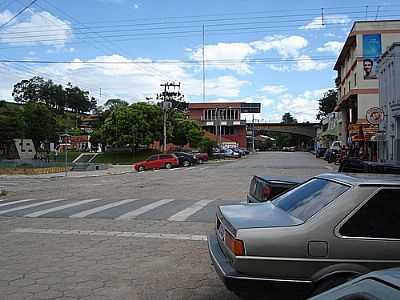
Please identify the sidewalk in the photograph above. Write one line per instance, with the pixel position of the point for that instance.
(114, 170)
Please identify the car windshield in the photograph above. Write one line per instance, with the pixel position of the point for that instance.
(309, 198)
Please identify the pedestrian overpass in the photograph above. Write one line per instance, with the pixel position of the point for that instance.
(305, 129)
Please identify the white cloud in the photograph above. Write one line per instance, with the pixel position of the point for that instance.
(226, 51)
(57, 38)
(286, 46)
(306, 63)
(136, 6)
(274, 89)
(5, 16)
(332, 46)
(318, 23)
(131, 81)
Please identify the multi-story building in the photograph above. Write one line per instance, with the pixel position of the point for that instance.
(389, 102)
(357, 83)
(223, 121)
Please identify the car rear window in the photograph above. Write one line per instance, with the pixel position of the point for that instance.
(165, 156)
(309, 198)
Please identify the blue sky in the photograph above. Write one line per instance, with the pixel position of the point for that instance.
(279, 53)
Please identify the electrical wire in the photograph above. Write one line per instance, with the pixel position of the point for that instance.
(2, 26)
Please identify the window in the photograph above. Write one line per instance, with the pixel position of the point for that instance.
(165, 156)
(355, 79)
(378, 218)
(153, 157)
(309, 198)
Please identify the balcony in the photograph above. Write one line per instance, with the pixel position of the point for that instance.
(338, 80)
(223, 122)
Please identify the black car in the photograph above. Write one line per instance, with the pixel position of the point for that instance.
(320, 152)
(186, 159)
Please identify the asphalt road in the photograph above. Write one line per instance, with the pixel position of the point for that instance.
(128, 236)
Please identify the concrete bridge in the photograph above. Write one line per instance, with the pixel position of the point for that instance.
(306, 129)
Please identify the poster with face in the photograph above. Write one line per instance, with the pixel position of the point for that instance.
(372, 49)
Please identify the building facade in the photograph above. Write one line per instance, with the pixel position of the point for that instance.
(389, 102)
(223, 121)
(357, 81)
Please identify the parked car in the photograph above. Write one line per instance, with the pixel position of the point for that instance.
(264, 188)
(229, 153)
(354, 165)
(158, 161)
(378, 285)
(240, 151)
(218, 154)
(201, 157)
(186, 159)
(317, 235)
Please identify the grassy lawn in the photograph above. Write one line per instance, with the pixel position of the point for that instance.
(71, 155)
(122, 158)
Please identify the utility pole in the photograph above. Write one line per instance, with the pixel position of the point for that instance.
(252, 137)
(204, 71)
(165, 96)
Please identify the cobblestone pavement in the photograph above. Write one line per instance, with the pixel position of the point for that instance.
(52, 257)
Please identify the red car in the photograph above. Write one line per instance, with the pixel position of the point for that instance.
(201, 157)
(158, 161)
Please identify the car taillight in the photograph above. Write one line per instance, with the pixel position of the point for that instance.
(266, 192)
(235, 245)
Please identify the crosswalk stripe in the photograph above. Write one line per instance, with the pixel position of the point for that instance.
(187, 212)
(92, 211)
(57, 208)
(15, 202)
(29, 205)
(143, 209)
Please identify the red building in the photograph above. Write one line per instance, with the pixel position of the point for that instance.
(222, 121)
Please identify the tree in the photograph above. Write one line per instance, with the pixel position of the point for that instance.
(39, 123)
(76, 99)
(10, 126)
(287, 118)
(206, 145)
(185, 131)
(111, 104)
(29, 90)
(134, 125)
(327, 103)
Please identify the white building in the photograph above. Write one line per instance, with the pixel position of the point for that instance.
(389, 101)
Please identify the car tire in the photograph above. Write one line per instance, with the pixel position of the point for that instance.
(201, 161)
(141, 169)
(186, 163)
(330, 282)
(168, 166)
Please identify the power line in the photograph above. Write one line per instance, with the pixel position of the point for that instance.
(2, 26)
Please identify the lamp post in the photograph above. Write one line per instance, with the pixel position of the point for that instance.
(65, 143)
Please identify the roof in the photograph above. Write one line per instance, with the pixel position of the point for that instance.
(363, 178)
(210, 105)
(391, 276)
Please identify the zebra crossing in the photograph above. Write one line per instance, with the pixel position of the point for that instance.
(172, 210)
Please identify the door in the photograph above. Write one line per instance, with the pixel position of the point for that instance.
(370, 235)
(152, 162)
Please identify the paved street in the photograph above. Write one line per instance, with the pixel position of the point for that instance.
(128, 236)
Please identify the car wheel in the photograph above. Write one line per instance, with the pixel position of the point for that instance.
(326, 284)
(168, 166)
(201, 161)
(186, 163)
(141, 169)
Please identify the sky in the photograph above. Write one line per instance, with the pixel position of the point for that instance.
(278, 53)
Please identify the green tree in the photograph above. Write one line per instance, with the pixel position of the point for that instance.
(287, 118)
(206, 145)
(185, 131)
(39, 123)
(111, 104)
(29, 90)
(10, 126)
(76, 99)
(327, 103)
(134, 125)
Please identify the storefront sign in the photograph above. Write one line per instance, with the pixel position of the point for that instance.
(374, 115)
